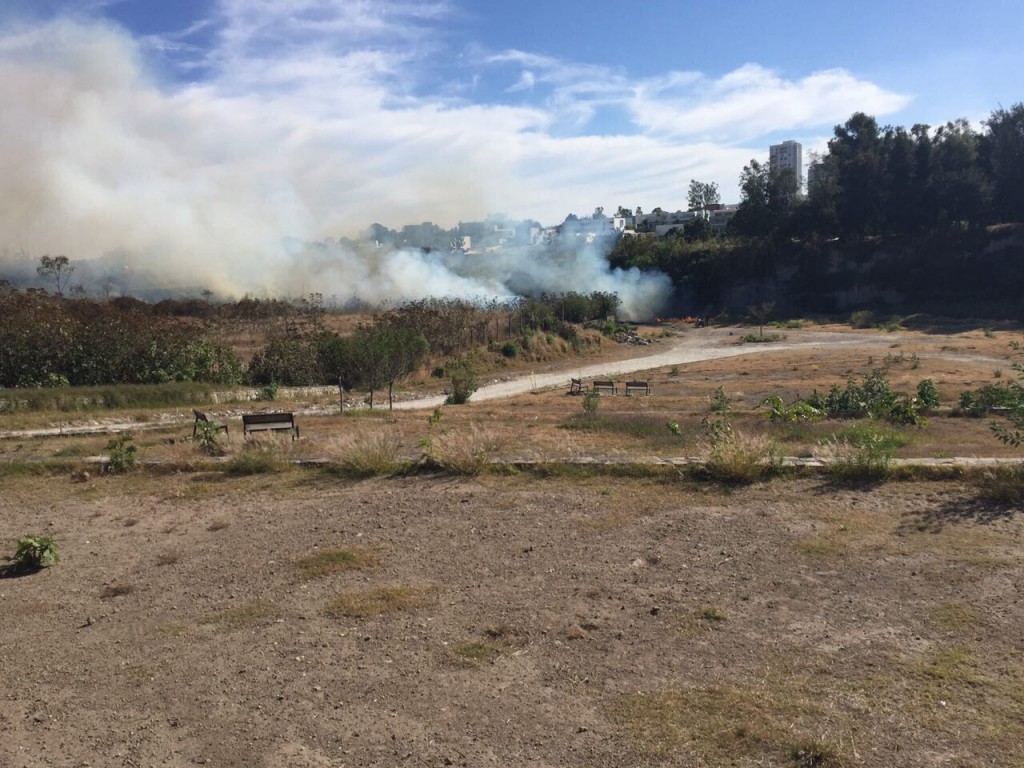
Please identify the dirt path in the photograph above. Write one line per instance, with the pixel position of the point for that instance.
(693, 347)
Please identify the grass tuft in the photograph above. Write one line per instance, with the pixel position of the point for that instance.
(374, 602)
(333, 561)
(370, 454)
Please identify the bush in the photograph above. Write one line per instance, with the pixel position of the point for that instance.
(255, 460)
(122, 453)
(1003, 485)
(864, 458)
(927, 394)
(509, 349)
(371, 455)
(736, 458)
(591, 399)
(468, 451)
(207, 436)
(464, 383)
(33, 553)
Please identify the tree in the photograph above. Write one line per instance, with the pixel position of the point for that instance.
(1004, 156)
(702, 196)
(59, 268)
(598, 212)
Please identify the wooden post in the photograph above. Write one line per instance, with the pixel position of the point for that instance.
(341, 396)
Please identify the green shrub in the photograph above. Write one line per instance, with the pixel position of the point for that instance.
(1003, 485)
(207, 437)
(591, 400)
(736, 458)
(122, 453)
(862, 318)
(509, 349)
(719, 401)
(464, 383)
(33, 553)
(927, 394)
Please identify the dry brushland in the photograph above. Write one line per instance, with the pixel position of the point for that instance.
(533, 578)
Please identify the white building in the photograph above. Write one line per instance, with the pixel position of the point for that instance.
(788, 156)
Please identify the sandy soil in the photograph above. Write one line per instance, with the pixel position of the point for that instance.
(518, 621)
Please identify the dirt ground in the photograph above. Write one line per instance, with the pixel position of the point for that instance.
(298, 618)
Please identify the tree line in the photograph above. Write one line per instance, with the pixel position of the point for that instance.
(893, 181)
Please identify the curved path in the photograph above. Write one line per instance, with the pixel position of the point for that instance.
(692, 346)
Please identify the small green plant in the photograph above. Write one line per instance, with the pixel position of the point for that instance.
(122, 453)
(464, 383)
(435, 418)
(269, 392)
(33, 553)
(207, 439)
(864, 458)
(509, 349)
(673, 427)
(711, 614)
(591, 400)
(719, 401)
(927, 394)
(798, 411)
(334, 561)
(674, 370)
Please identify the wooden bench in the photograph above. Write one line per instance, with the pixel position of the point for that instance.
(638, 386)
(269, 422)
(577, 387)
(201, 417)
(605, 387)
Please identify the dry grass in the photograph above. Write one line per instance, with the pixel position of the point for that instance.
(737, 457)
(467, 450)
(370, 453)
(333, 561)
(378, 601)
(244, 616)
(720, 726)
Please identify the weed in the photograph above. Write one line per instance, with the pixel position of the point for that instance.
(464, 382)
(711, 614)
(674, 370)
(927, 394)
(1003, 485)
(207, 437)
(466, 452)
(333, 561)
(269, 392)
(867, 459)
(591, 400)
(370, 454)
(245, 615)
(734, 457)
(33, 553)
(719, 402)
(954, 616)
(122, 454)
(255, 460)
(374, 602)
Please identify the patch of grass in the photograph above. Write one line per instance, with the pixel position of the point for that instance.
(821, 547)
(862, 456)
(648, 429)
(466, 451)
(721, 726)
(371, 454)
(711, 615)
(255, 460)
(1002, 485)
(333, 561)
(497, 639)
(737, 458)
(953, 616)
(374, 602)
(756, 338)
(951, 664)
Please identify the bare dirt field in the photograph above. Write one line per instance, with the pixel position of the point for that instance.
(572, 617)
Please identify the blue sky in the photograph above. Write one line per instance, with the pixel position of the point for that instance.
(194, 126)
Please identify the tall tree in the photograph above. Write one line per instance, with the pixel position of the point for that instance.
(57, 268)
(858, 165)
(701, 196)
(1004, 157)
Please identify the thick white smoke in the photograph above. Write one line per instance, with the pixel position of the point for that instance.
(148, 188)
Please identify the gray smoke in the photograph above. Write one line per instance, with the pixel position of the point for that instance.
(178, 190)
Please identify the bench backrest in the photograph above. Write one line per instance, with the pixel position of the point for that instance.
(200, 416)
(268, 418)
(605, 383)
